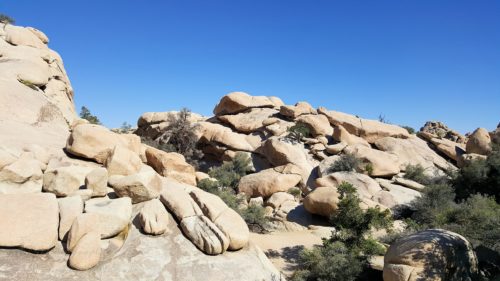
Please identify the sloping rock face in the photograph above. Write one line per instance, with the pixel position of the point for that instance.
(167, 257)
(433, 254)
(36, 104)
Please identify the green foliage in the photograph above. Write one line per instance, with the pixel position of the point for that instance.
(125, 128)
(299, 131)
(295, 191)
(369, 168)
(416, 173)
(255, 217)
(410, 130)
(230, 173)
(6, 19)
(331, 261)
(227, 195)
(479, 176)
(345, 255)
(347, 163)
(180, 136)
(85, 114)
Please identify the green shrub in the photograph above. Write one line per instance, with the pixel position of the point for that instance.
(410, 130)
(369, 168)
(416, 173)
(479, 176)
(6, 19)
(299, 131)
(85, 114)
(344, 256)
(347, 163)
(180, 136)
(255, 217)
(226, 194)
(295, 191)
(230, 173)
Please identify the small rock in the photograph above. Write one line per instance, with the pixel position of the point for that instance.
(69, 209)
(153, 217)
(205, 235)
(122, 161)
(97, 181)
(114, 214)
(87, 252)
(139, 187)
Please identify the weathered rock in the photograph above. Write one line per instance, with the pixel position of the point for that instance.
(322, 201)
(267, 182)
(366, 187)
(409, 183)
(95, 142)
(69, 209)
(414, 151)
(318, 123)
(466, 159)
(479, 142)
(400, 194)
(248, 121)
(139, 187)
(87, 252)
(178, 201)
(294, 111)
(439, 130)
(6, 157)
(238, 101)
(122, 161)
(97, 181)
(171, 164)
(256, 201)
(234, 228)
(82, 224)
(430, 255)
(449, 148)
(370, 130)
(325, 165)
(22, 176)
(62, 181)
(205, 235)
(278, 198)
(276, 126)
(20, 36)
(29, 221)
(153, 217)
(341, 135)
(201, 176)
(114, 215)
(382, 164)
(210, 133)
(335, 148)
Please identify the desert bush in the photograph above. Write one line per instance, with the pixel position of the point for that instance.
(479, 176)
(416, 173)
(255, 217)
(369, 168)
(298, 131)
(230, 172)
(6, 19)
(344, 256)
(347, 163)
(85, 114)
(295, 191)
(410, 130)
(180, 136)
(226, 194)
(125, 128)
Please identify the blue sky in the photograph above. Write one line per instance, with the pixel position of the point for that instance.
(411, 61)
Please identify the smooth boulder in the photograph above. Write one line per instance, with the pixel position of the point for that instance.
(153, 217)
(139, 187)
(171, 164)
(114, 214)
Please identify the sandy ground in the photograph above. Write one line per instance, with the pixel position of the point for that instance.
(283, 248)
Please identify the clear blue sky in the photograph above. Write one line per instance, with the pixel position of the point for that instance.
(411, 61)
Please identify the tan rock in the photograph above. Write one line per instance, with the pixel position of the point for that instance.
(114, 214)
(97, 181)
(335, 148)
(205, 235)
(466, 159)
(62, 181)
(256, 201)
(95, 142)
(267, 182)
(20, 36)
(234, 228)
(248, 121)
(153, 217)
(69, 209)
(87, 252)
(236, 102)
(479, 142)
(201, 176)
(6, 157)
(122, 161)
(452, 257)
(171, 164)
(139, 187)
(318, 123)
(409, 183)
(400, 194)
(278, 198)
(370, 130)
(382, 164)
(341, 135)
(276, 126)
(294, 111)
(322, 201)
(29, 221)
(39, 34)
(21, 176)
(210, 133)
(179, 202)
(366, 187)
(82, 224)
(449, 148)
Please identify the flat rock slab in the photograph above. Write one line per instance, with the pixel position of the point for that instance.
(28, 221)
(143, 257)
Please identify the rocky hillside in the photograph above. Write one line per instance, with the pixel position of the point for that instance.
(80, 201)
